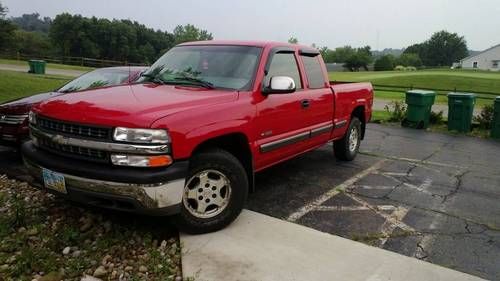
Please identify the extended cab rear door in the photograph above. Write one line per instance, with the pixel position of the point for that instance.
(319, 94)
(282, 119)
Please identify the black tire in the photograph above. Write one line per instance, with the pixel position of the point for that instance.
(227, 164)
(341, 148)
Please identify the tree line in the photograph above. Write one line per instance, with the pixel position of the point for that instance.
(441, 49)
(77, 36)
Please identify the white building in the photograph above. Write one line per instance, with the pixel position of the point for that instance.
(486, 60)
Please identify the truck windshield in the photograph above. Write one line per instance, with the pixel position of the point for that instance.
(226, 67)
(96, 79)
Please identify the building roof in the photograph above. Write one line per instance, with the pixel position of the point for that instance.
(478, 54)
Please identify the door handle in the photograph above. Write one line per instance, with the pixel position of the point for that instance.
(305, 103)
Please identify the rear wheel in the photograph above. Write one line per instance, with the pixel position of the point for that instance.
(215, 192)
(347, 148)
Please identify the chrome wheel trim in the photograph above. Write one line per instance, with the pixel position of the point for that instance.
(353, 139)
(207, 194)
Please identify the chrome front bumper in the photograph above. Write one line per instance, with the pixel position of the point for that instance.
(160, 198)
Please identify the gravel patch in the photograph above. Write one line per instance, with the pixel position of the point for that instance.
(46, 238)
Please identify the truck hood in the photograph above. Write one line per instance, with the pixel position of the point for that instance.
(137, 105)
(23, 105)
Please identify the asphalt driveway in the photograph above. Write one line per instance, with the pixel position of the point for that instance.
(431, 196)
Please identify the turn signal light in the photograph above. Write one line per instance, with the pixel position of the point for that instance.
(159, 161)
(141, 160)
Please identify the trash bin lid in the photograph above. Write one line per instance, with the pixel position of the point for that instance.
(462, 95)
(421, 92)
(497, 99)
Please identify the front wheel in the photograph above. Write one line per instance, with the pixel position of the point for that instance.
(214, 194)
(347, 148)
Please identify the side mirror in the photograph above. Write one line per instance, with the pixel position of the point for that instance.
(280, 85)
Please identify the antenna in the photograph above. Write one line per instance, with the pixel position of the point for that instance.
(378, 40)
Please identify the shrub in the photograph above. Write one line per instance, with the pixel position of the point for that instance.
(485, 118)
(396, 110)
(436, 118)
(384, 63)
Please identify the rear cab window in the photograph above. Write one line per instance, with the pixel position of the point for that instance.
(314, 71)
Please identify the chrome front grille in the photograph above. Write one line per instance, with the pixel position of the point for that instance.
(13, 119)
(53, 127)
(72, 151)
(75, 130)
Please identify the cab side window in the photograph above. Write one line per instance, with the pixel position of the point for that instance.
(314, 72)
(284, 64)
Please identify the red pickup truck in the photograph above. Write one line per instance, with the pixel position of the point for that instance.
(189, 136)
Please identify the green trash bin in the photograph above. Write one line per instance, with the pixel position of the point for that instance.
(460, 111)
(37, 66)
(419, 108)
(495, 125)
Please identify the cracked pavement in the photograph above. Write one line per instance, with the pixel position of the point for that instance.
(426, 195)
(433, 196)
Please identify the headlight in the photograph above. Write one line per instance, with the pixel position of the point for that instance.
(141, 160)
(145, 136)
(32, 117)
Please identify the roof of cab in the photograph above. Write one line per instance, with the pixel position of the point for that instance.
(261, 44)
(126, 68)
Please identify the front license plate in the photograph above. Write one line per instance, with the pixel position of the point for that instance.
(54, 181)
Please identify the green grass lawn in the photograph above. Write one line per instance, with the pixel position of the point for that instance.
(49, 65)
(18, 84)
(462, 80)
(380, 116)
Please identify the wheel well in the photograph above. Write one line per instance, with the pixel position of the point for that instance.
(237, 145)
(359, 112)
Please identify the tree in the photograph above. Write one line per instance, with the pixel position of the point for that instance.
(409, 59)
(189, 33)
(32, 43)
(384, 63)
(342, 54)
(324, 52)
(6, 30)
(361, 58)
(32, 22)
(442, 49)
(3, 11)
(293, 40)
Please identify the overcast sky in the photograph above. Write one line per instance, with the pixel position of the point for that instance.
(378, 23)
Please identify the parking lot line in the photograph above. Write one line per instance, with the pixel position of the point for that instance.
(411, 160)
(334, 191)
(394, 219)
(388, 227)
(341, 208)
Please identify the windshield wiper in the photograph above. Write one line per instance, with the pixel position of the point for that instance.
(155, 78)
(196, 81)
(148, 75)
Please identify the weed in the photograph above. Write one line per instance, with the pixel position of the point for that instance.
(485, 118)
(436, 118)
(396, 110)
